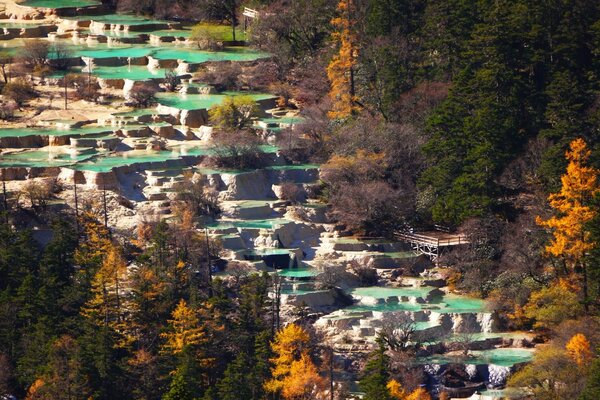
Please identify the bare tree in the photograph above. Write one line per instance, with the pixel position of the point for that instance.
(467, 336)
(330, 275)
(59, 55)
(238, 150)
(172, 82)
(397, 330)
(143, 95)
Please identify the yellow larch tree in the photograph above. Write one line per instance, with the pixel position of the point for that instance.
(571, 240)
(396, 390)
(579, 350)
(418, 394)
(107, 305)
(186, 332)
(341, 69)
(294, 374)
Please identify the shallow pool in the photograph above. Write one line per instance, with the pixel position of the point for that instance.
(59, 3)
(202, 101)
(504, 357)
(249, 223)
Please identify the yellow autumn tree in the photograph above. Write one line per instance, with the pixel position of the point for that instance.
(185, 332)
(571, 240)
(94, 245)
(418, 394)
(106, 307)
(341, 69)
(35, 391)
(579, 350)
(396, 390)
(294, 374)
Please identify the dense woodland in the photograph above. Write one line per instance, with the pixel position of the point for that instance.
(477, 115)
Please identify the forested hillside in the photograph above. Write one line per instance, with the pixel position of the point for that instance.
(476, 117)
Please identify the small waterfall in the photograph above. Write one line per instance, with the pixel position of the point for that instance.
(498, 375)
(89, 64)
(487, 322)
(97, 28)
(182, 67)
(155, 40)
(127, 86)
(153, 64)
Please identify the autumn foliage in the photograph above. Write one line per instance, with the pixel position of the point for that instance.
(341, 68)
(294, 374)
(578, 349)
(572, 205)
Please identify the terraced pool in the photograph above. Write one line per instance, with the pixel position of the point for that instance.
(59, 3)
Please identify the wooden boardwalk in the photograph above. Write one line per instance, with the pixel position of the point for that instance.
(432, 243)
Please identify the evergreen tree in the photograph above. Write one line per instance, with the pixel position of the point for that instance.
(376, 375)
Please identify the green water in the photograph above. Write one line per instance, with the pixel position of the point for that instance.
(135, 112)
(504, 357)
(270, 252)
(283, 120)
(22, 132)
(249, 203)
(202, 101)
(299, 272)
(210, 171)
(59, 3)
(384, 292)
(120, 19)
(178, 33)
(166, 51)
(43, 158)
(196, 56)
(135, 72)
(107, 163)
(452, 303)
(249, 223)
(447, 303)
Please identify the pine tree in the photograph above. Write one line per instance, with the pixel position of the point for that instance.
(376, 375)
(592, 387)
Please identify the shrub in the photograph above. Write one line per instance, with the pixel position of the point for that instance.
(19, 91)
(235, 113)
(205, 39)
(86, 87)
(225, 77)
(237, 150)
(7, 109)
(142, 95)
(172, 81)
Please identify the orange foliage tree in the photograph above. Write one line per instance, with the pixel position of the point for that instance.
(294, 374)
(579, 350)
(396, 390)
(418, 394)
(571, 240)
(185, 333)
(341, 68)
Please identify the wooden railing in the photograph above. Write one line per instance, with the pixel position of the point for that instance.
(250, 13)
(425, 240)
